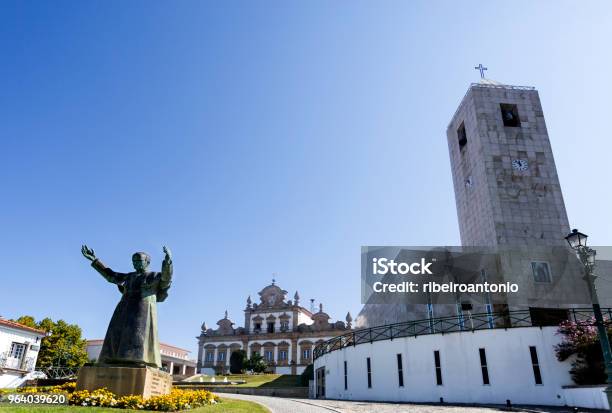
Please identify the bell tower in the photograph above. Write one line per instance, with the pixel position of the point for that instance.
(506, 185)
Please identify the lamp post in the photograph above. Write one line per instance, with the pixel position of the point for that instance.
(586, 255)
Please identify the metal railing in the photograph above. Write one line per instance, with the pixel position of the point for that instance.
(451, 324)
(59, 372)
(13, 363)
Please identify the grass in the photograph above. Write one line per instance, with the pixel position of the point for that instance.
(227, 406)
(261, 380)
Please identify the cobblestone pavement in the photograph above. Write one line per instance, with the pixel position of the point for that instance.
(284, 405)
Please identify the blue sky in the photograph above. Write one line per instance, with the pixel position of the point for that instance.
(261, 137)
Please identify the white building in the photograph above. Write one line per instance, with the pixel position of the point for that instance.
(19, 347)
(280, 330)
(175, 360)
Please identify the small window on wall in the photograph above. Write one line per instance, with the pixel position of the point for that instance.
(438, 367)
(257, 326)
(535, 364)
(541, 272)
(510, 115)
(270, 327)
(345, 376)
(400, 370)
(483, 366)
(369, 370)
(461, 135)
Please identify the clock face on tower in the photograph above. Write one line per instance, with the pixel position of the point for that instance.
(520, 164)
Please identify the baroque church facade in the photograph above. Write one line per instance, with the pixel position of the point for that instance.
(282, 331)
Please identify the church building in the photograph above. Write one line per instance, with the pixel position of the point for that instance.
(508, 195)
(282, 331)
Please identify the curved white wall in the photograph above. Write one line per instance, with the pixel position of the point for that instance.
(508, 361)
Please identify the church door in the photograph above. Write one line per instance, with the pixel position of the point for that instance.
(320, 376)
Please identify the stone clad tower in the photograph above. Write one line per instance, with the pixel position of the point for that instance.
(506, 185)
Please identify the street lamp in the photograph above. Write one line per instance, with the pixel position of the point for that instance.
(577, 241)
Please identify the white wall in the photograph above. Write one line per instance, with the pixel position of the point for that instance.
(93, 351)
(304, 319)
(587, 396)
(9, 335)
(209, 371)
(508, 359)
(10, 380)
(283, 370)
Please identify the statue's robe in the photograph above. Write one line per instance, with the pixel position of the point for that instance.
(131, 338)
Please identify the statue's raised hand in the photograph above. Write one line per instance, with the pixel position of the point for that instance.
(88, 253)
(168, 253)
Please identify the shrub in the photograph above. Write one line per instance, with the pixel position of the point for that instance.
(176, 400)
(238, 360)
(580, 339)
(256, 363)
(307, 375)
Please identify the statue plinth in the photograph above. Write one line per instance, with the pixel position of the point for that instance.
(125, 381)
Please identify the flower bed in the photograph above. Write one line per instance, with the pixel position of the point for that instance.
(176, 400)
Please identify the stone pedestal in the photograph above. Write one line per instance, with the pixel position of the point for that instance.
(124, 381)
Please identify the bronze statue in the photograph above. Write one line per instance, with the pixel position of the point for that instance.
(131, 338)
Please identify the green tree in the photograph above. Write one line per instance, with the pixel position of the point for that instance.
(238, 359)
(256, 363)
(307, 375)
(63, 345)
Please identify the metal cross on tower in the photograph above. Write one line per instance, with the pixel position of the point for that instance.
(481, 68)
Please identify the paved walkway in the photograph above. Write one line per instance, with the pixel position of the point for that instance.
(285, 405)
(279, 404)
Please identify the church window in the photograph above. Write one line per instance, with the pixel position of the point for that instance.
(461, 135)
(438, 367)
(284, 325)
(271, 327)
(510, 115)
(535, 364)
(210, 357)
(541, 272)
(483, 366)
(269, 355)
(369, 366)
(345, 376)
(282, 355)
(257, 327)
(306, 354)
(400, 370)
(221, 356)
